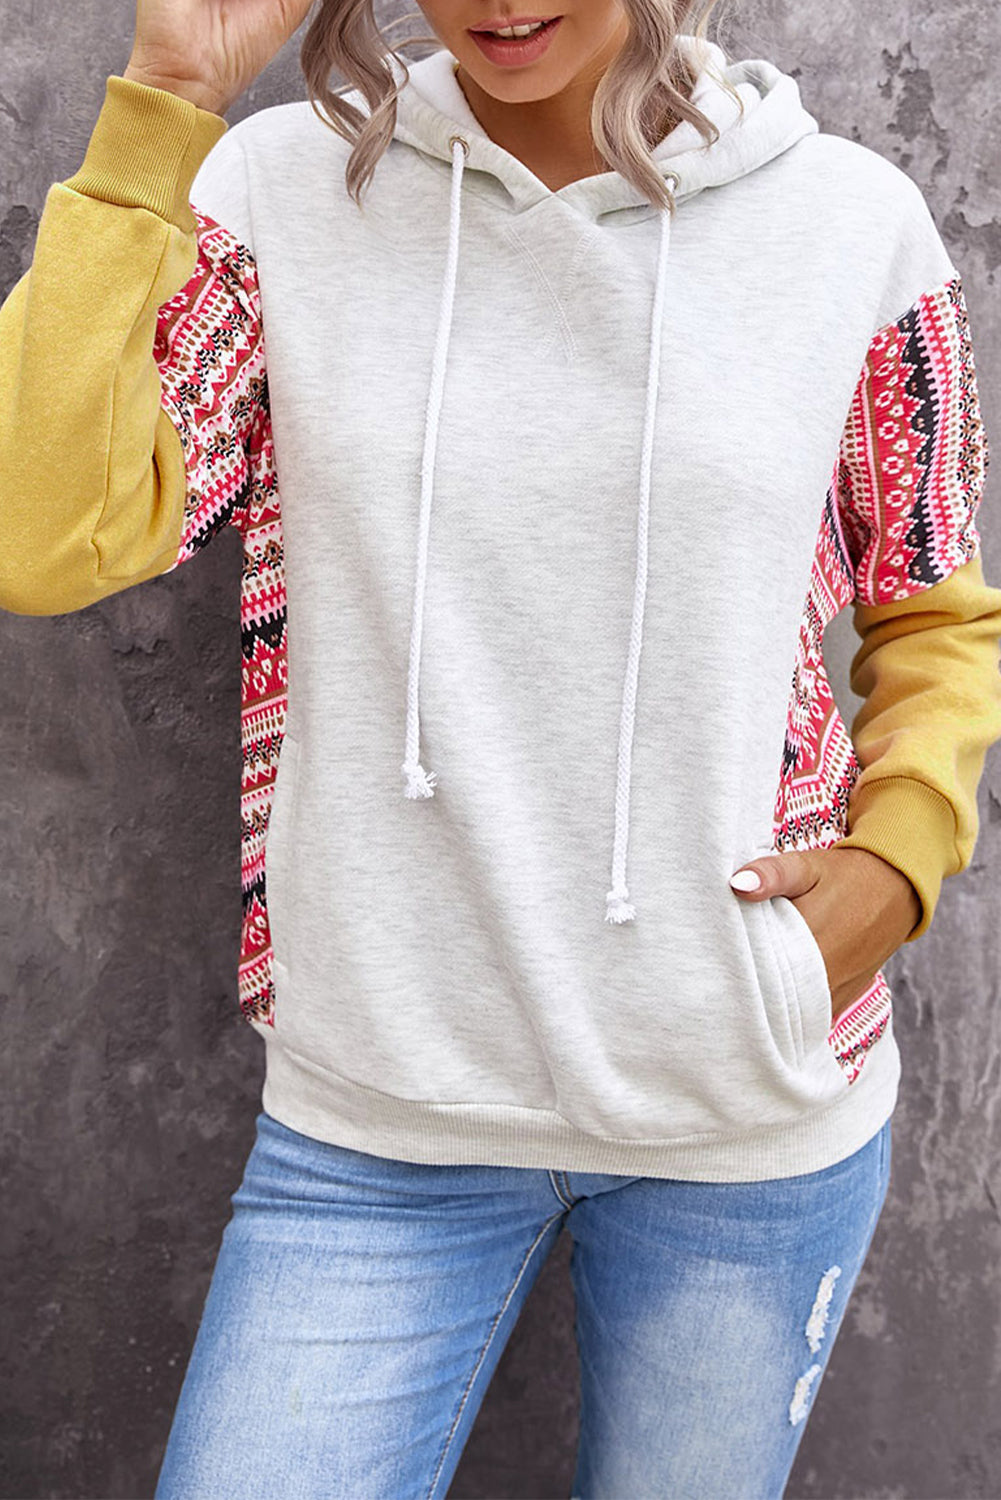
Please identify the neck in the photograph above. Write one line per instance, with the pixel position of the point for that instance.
(552, 137)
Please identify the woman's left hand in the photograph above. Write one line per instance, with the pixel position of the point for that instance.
(859, 907)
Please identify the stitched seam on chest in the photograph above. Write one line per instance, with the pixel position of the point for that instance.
(562, 329)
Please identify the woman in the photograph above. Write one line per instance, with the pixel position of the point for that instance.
(562, 387)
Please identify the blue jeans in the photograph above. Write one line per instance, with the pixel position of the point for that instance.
(359, 1306)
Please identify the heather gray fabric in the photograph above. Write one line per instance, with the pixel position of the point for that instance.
(447, 986)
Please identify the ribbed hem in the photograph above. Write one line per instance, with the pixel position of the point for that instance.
(322, 1104)
(145, 150)
(912, 827)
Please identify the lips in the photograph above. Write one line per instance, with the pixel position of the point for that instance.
(512, 52)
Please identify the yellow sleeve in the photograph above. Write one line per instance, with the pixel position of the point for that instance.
(914, 456)
(93, 480)
(927, 670)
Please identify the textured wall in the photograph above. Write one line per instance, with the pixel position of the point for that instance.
(129, 1083)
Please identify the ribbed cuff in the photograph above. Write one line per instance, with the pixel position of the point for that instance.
(145, 150)
(911, 826)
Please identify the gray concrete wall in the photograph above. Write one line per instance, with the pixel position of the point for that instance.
(129, 1083)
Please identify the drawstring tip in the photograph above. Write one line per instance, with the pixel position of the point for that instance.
(618, 909)
(420, 783)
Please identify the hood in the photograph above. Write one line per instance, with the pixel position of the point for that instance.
(434, 117)
(432, 108)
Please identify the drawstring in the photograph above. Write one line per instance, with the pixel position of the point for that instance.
(617, 905)
(420, 782)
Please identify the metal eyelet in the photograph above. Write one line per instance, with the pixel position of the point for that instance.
(675, 179)
(462, 142)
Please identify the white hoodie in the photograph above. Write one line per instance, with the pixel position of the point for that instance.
(569, 489)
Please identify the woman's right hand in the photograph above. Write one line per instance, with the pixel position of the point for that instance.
(209, 51)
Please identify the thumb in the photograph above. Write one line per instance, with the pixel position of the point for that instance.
(792, 873)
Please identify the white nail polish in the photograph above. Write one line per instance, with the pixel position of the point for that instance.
(746, 880)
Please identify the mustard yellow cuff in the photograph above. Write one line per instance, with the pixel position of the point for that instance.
(145, 150)
(911, 826)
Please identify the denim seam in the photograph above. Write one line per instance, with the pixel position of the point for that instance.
(483, 1352)
(877, 1211)
(559, 1188)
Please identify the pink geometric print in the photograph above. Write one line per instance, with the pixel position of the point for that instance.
(899, 516)
(210, 350)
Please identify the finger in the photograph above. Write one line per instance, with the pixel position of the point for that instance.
(792, 873)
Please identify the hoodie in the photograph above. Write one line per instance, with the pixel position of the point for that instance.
(546, 499)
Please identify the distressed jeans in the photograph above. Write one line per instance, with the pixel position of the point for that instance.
(359, 1305)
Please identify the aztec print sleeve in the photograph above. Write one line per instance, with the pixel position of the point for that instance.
(132, 383)
(911, 469)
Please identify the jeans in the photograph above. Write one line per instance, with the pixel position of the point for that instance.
(359, 1306)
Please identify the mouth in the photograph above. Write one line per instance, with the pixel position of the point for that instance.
(513, 50)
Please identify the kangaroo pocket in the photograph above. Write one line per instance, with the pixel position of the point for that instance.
(800, 969)
(709, 1015)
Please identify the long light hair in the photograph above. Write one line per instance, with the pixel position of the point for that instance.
(646, 85)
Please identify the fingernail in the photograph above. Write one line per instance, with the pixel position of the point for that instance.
(746, 880)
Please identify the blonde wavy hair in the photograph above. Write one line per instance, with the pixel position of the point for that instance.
(644, 90)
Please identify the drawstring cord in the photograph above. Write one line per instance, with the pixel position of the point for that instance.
(419, 781)
(617, 905)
